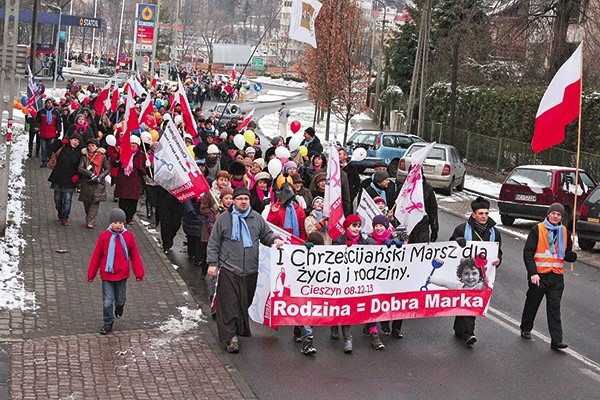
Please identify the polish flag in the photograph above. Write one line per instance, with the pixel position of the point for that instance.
(246, 120)
(131, 124)
(147, 108)
(186, 110)
(284, 235)
(333, 207)
(560, 104)
(233, 73)
(114, 100)
(154, 81)
(102, 102)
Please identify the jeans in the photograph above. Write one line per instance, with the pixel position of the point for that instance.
(306, 332)
(113, 293)
(45, 149)
(62, 202)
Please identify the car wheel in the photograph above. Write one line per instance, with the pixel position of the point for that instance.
(507, 220)
(461, 187)
(393, 169)
(586, 244)
(448, 190)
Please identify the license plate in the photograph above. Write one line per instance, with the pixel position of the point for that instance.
(526, 197)
(593, 220)
(428, 169)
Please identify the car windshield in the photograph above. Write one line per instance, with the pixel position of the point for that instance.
(364, 138)
(435, 154)
(530, 177)
(594, 197)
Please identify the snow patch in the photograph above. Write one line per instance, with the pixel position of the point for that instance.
(190, 318)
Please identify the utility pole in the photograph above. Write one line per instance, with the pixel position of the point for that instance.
(8, 87)
(33, 36)
(155, 41)
(377, 111)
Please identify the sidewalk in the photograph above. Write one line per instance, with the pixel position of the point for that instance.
(55, 352)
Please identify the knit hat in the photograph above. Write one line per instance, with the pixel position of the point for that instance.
(350, 219)
(250, 150)
(288, 165)
(265, 176)
(480, 203)
(225, 191)
(381, 220)
(116, 214)
(237, 168)
(94, 141)
(315, 199)
(310, 130)
(241, 191)
(213, 149)
(135, 140)
(557, 207)
(75, 136)
(260, 162)
(379, 200)
(321, 176)
(381, 176)
(296, 178)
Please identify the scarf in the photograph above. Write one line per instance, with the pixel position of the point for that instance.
(239, 226)
(382, 238)
(480, 230)
(97, 163)
(291, 220)
(555, 234)
(81, 128)
(235, 183)
(111, 249)
(351, 239)
(129, 167)
(380, 192)
(49, 116)
(261, 193)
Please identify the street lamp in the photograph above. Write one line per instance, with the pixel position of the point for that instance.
(55, 7)
(379, 65)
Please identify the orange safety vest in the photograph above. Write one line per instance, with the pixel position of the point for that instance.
(545, 261)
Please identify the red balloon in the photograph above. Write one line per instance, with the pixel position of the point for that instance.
(295, 126)
(86, 100)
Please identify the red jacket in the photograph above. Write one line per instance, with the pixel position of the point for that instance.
(48, 131)
(121, 264)
(277, 218)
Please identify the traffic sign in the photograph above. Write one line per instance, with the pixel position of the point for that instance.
(258, 63)
(257, 87)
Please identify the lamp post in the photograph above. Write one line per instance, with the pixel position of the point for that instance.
(55, 7)
(378, 117)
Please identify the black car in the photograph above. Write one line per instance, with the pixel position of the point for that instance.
(588, 222)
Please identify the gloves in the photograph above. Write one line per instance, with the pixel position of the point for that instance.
(309, 245)
(65, 141)
(461, 241)
(570, 256)
(388, 243)
(434, 236)
(75, 178)
(399, 243)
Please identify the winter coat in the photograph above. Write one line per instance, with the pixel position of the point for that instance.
(343, 239)
(192, 219)
(277, 218)
(52, 130)
(93, 191)
(210, 210)
(66, 166)
(86, 133)
(120, 264)
(312, 224)
(130, 187)
(255, 202)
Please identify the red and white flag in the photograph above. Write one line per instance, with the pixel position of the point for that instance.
(186, 110)
(32, 94)
(131, 124)
(233, 73)
(333, 207)
(284, 235)
(154, 81)
(560, 104)
(146, 108)
(102, 102)
(246, 121)
(136, 86)
(114, 100)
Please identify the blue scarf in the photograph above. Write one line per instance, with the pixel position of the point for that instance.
(111, 248)
(469, 233)
(555, 233)
(380, 192)
(239, 225)
(291, 220)
(49, 116)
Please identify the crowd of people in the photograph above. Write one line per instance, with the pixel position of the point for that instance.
(224, 225)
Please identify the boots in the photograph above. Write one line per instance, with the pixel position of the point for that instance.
(376, 342)
(348, 346)
(106, 328)
(148, 209)
(308, 348)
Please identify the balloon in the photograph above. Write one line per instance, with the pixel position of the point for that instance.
(158, 103)
(24, 100)
(154, 134)
(239, 141)
(178, 120)
(157, 115)
(295, 126)
(100, 135)
(359, 154)
(275, 167)
(165, 103)
(86, 100)
(111, 140)
(303, 150)
(295, 142)
(25, 110)
(250, 137)
(17, 105)
(281, 180)
(282, 152)
(191, 150)
(146, 137)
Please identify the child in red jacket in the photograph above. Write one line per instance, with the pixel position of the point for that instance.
(115, 249)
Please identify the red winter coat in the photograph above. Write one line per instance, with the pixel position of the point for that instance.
(121, 264)
(130, 186)
(277, 218)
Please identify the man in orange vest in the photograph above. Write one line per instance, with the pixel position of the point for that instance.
(547, 247)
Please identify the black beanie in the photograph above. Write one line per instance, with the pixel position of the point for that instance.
(557, 207)
(480, 203)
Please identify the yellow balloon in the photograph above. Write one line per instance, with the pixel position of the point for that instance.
(281, 180)
(250, 137)
(191, 150)
(154, 134)
(303, 150)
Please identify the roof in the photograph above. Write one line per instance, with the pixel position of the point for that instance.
(548, 167)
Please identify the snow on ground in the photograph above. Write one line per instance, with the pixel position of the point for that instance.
(484, 186)
(279, 82)
(174, 327)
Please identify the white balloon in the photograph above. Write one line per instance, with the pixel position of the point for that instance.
(359, 154)
(178, 119)
(282, 152)
(239, 141)
(111, 140)
(146, 137)
(275, 167)
(296, 141)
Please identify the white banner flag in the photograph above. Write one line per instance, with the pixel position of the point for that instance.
(302, 21)
(366, 210)
(410, 206)
(333, 207)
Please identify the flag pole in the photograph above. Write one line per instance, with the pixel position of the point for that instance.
(573, 232)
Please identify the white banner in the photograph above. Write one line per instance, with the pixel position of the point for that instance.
(367, 210)
(302, 21)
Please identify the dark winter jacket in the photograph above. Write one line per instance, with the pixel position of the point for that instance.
(192, 219)
(93, 190)
(66, 166)
(459, 232)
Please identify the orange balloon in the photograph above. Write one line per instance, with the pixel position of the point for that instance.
(154, 134)
(25, 110)
(157, 116)
(100, 135)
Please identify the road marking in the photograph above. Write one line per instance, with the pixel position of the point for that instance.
(512, 325)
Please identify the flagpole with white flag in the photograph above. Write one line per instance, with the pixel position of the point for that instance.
(333, 207)
(578, 147)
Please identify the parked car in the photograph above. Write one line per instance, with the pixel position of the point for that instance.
(443, 168)
(224, 115)
(530, 189)
(388, 147)
(588, 221)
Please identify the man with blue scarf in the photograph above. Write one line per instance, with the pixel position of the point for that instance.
(547, 247)
(479, 228)
(232, 255)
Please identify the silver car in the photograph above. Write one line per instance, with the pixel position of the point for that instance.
(443, 168)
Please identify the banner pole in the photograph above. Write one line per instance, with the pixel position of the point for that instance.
(573, 232)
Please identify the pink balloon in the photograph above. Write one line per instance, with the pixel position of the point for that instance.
(295, 126)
